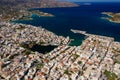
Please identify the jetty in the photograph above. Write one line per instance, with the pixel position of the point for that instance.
(79, 31)
(92, 35)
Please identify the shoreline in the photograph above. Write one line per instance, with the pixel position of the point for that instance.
(27, 15)
(113, 17)
(12, 11)
(98, 57)
(94, 52)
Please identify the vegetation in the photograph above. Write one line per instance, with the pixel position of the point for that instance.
(116, 50)
(79, 62)
(1, 55)
(24, 45)
(110, 75)
(116, 61)
(31, 44)
(66, 72)
(27, 52)
(21, 27)
(116, 58)
(40, 43)
(69, 78)
(75, 56)
(28, 44)
(13, 56)
(39, 66)
(27, 47)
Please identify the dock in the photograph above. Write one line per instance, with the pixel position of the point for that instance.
(79, 31)
(91, 35)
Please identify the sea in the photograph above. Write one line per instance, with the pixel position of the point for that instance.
(86, 17)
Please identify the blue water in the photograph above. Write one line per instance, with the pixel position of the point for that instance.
(84, 17)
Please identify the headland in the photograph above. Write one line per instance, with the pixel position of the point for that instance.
(113, 17)
(13, 9)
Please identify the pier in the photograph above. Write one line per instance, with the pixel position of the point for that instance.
(92, 35)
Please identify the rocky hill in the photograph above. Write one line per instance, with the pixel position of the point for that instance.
(35, 3)
(11, 8)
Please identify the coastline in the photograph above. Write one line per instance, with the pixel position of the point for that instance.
(98, 57)
(65, 58)
(26, 15)
(113, 17)
(12, 11)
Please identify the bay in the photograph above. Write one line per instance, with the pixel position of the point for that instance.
(85, 17)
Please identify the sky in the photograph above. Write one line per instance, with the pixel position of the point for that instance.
(92, 0)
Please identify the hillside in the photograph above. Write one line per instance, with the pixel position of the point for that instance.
(35, 3)
(11, 8)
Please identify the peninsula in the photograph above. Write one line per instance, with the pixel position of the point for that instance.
(14, 7)
(113, 17)
(27, 15)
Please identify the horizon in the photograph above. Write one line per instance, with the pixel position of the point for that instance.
(91, 0)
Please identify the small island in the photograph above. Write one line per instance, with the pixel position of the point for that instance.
(113, 17)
